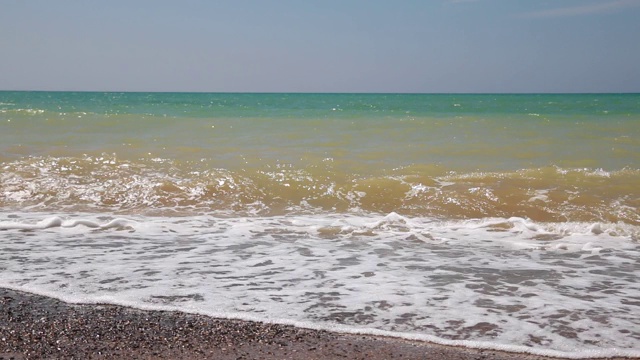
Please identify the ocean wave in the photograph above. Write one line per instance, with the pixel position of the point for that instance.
(156, 185)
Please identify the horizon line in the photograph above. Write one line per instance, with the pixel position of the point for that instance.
(333, 92)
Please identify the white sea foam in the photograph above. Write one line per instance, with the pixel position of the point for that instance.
(56, 221)
(557, 289)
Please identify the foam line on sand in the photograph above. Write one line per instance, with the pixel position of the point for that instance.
(38, 327)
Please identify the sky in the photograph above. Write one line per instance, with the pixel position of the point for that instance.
(400, 46)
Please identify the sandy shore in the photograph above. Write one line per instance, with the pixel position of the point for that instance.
(37, 327)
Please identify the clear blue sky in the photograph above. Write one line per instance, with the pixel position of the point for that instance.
(321, 46)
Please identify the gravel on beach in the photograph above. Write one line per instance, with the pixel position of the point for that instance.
(38, 327)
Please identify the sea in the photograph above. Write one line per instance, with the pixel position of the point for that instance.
(507, 222)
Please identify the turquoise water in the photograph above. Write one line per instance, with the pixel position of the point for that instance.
(459, 132)
(303, 106)
(497, 221)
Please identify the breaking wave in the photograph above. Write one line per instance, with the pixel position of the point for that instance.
(160, 186)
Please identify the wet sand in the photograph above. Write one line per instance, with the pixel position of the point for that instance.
(37, 327)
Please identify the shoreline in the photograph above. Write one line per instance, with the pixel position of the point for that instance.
(37, 327)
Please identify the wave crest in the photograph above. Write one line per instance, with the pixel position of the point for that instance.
(105, 183)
